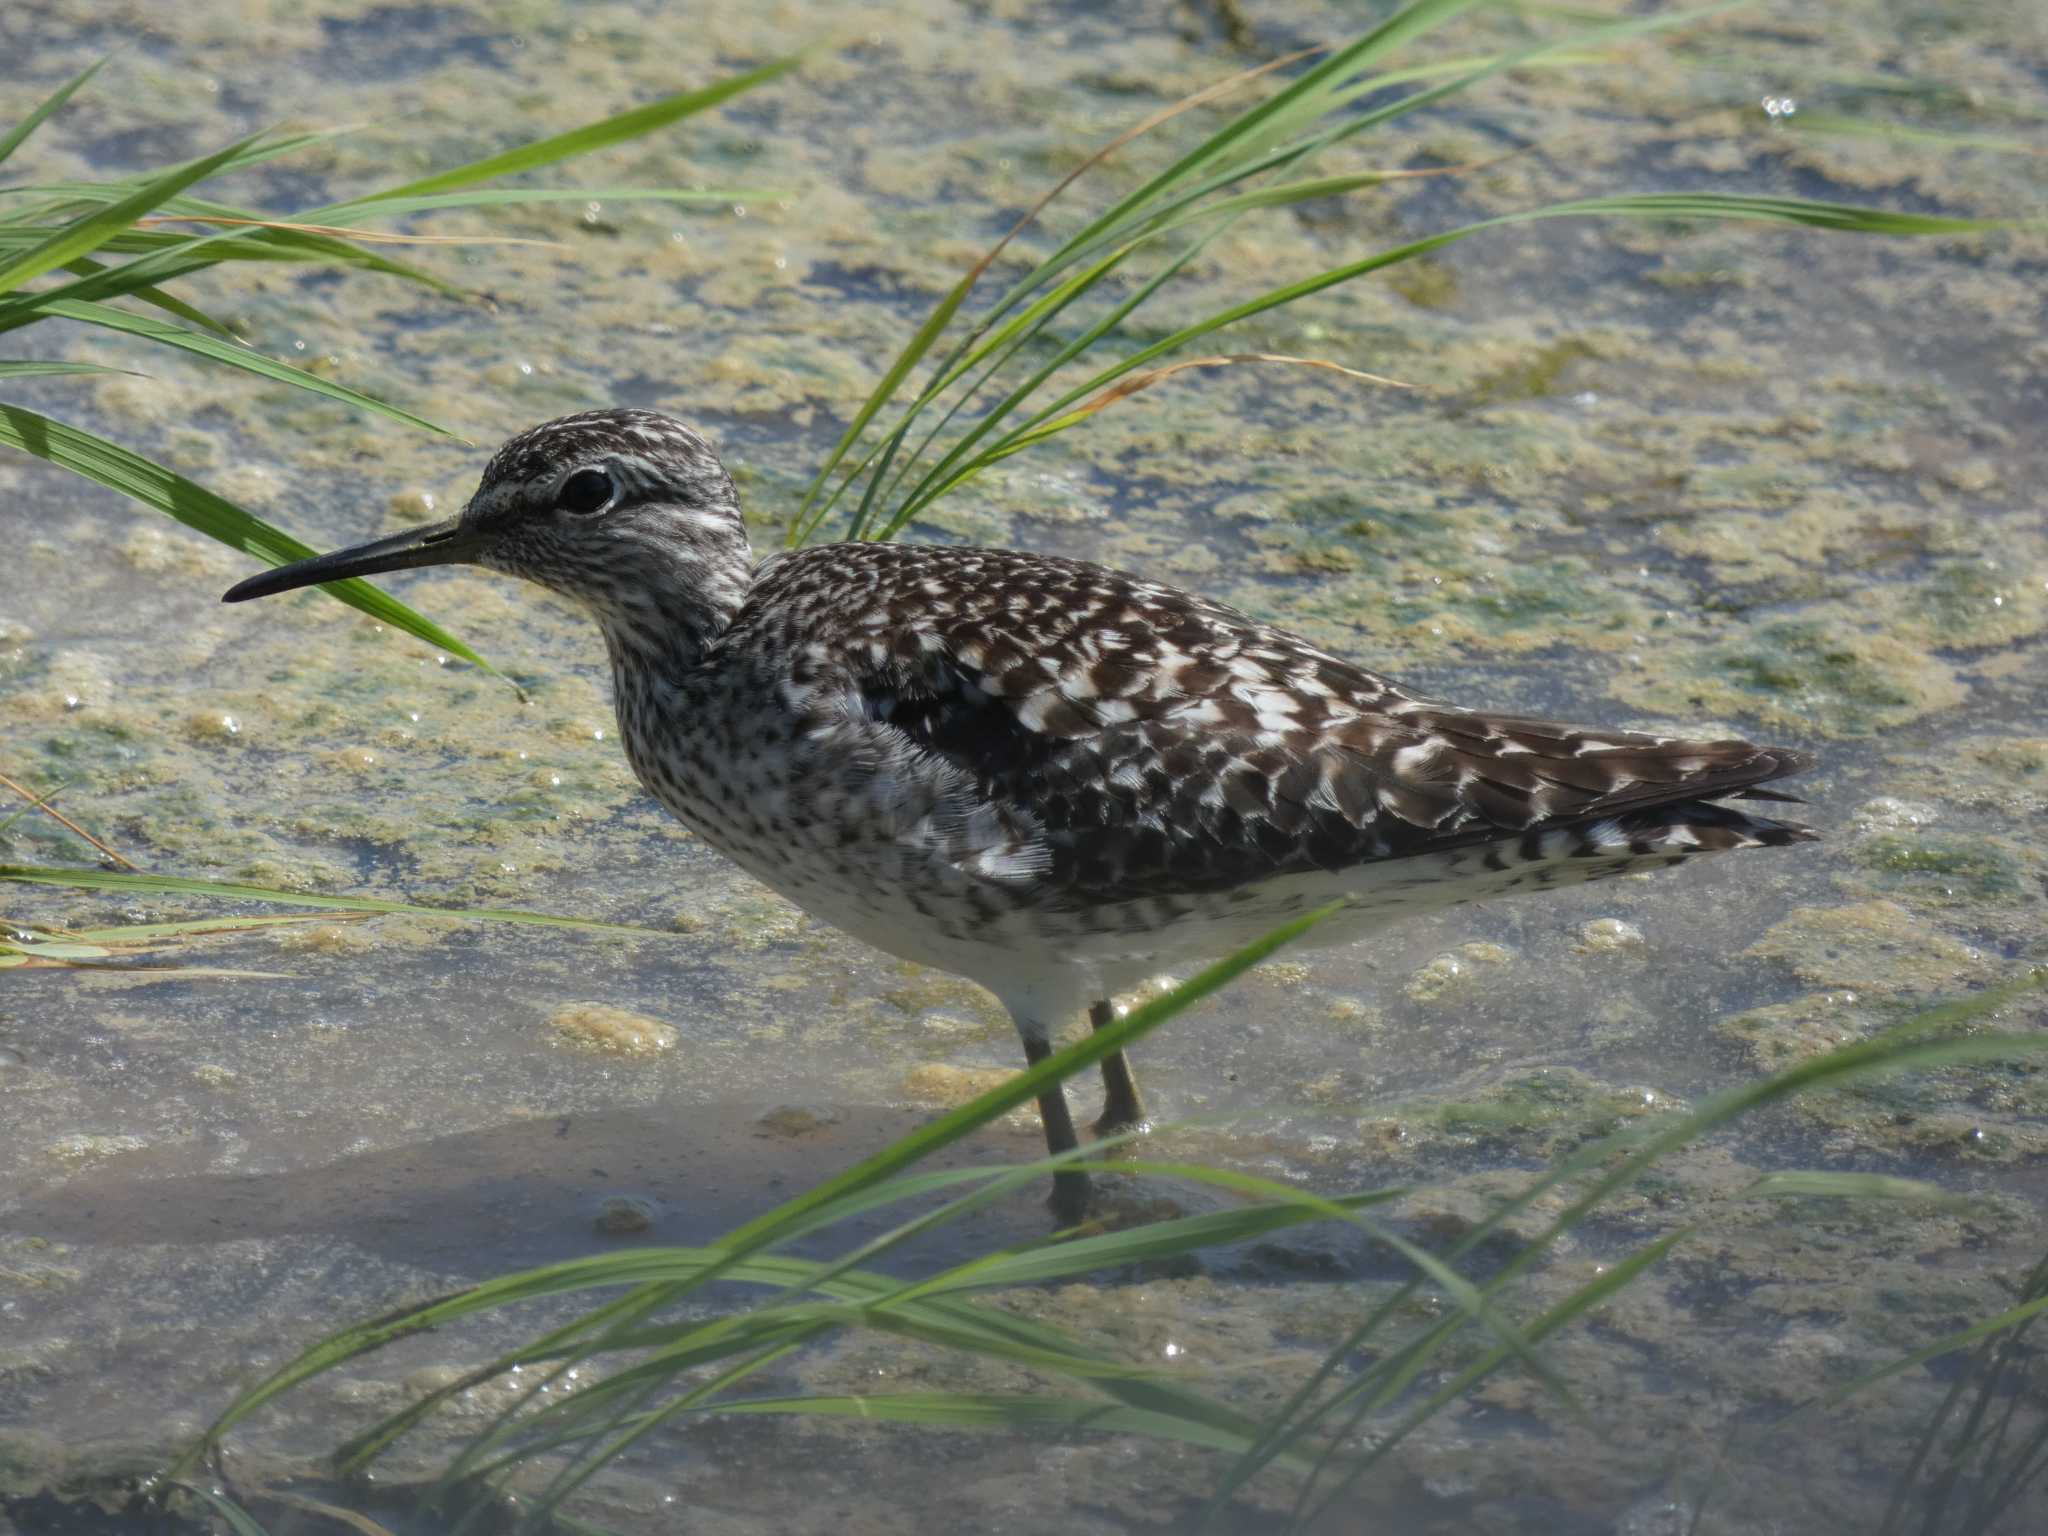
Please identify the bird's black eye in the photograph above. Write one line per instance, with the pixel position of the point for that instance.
(588, 490)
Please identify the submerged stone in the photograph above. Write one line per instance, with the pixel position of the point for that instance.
(616, 1031)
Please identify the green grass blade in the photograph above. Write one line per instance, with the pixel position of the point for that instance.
(497, 197)
(1616, 1162)
(1404, 26)
(196, 253)
(85, 234)
(660, 1276)
(11, 369)
(234, 355)
(1018, 395)
(577, 141)
(1580, 1301)
(2012, 1317)
(1026, 1085)
(1665, 205)
(1808, 1184)
(964, 1410)
(575, 1475)
(15, 136)
(255, 150)
(1013, 334)
(662, 1267)
(908, 358)
(179, 885)
(134, 242)
(1178, 201)
(1857, 127)
(252, 244)
(113, 466)
(170, 304)
(1137, 1245)
(237, 1519)
(1411, 22)
(139, 933)
(822, 1204)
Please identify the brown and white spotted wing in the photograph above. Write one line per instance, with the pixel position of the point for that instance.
(1139, 741)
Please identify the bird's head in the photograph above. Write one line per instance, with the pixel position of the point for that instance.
(627, 512)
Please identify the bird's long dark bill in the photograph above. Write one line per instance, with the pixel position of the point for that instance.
(439, 544)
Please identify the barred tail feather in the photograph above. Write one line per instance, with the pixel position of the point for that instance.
(1576, 853)
(1674, 832)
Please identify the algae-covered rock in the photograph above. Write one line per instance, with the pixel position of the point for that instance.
(1821, 673)
(1785, 1034)
(614, 1031)
(1872, 946)
(1545, 1113)
(1952, 870)
(1458, 971)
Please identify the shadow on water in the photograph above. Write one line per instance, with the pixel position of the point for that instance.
(543, 1190)
(529, 1192)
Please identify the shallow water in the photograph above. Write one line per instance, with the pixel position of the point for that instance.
(1777, 482)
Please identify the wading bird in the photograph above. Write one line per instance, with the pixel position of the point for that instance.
(1046, 776)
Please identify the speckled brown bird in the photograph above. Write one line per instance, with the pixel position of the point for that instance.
(1041, 774)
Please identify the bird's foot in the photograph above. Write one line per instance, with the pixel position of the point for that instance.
(1070, 1198)
(1111, 1123)
(1122, 1110)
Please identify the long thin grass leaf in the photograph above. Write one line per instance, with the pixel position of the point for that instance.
(1666, 205)
(961, 1410)
(18, 134)
(810, 1209)
(146, 933)
(934, 324)
(140, 242)
(1036, 317)
(11, 369)
(234, 355)
(1845, 1186)
(739, 1257)
(237, 1519)
(577, 141)
(1857, 127)
(1962, 1338)
(195, 254)
(908, 358)
(1026, 1085)
(1615, 1162)
(169, 303)
(85, 234)
(140, 479)
(575, 1475)
(1058, 1260)
(179, 885)
(500, 197)
(1580, 1301)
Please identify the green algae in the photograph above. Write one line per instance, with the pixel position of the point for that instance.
(1786, 1034)
(1871, 946)
(1533, 377)
(1826, 674)
(1548, 1114)
(1954, 870)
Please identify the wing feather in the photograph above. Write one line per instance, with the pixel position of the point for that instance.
(1134, 740)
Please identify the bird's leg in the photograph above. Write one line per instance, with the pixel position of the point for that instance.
(1070, 1185)
(1121, 1109)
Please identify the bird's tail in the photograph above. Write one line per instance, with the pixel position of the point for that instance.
(1677, 832)
(1575, 853)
